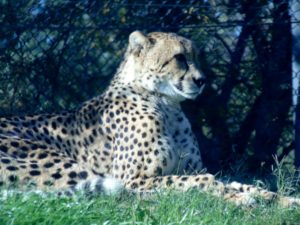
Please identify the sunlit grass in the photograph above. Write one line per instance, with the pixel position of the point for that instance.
(192, 207)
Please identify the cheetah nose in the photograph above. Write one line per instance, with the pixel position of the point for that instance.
(199, 82)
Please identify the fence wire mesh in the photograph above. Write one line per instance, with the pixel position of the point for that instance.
(56, 54)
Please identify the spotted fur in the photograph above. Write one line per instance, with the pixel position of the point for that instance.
(133, 136)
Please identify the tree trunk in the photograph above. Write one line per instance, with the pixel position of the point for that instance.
(295, 6)
(297, 136)
(274, 59)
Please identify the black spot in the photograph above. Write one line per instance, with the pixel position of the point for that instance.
(176, 133)
(12, 168)
(43, 155)
(57, 160)
(23, 155)
(179, 119)
(48, 183)
(169, 181)
(105, 153)
(91, 139)
(82, 175)
(48, 165)
(24, 148)
(13, 178)
(108, 130)
(72, 174)
(46, 131)
(48, 141)
(54, 126)
(29, 133)
(132, 127)
(111, 114)
(59, 138)
(34, 147)
(6, 161)
(158, 171)
(56, 176)
(107, 145)
(15, 144)
(67, 165)
(35, 173)
(72, 182)
(3, 148)
(151, 117)
(164, 161)
(134, 185)
(3, 125)
(34, 166)
(94, 132)
(205, 178)
(64, 131)
(184, 178)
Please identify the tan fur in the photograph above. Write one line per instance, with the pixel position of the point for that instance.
(134, 132)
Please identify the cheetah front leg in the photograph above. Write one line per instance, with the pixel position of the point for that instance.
(150, 151)
(204, 182)
(264, 194)
(240, 194)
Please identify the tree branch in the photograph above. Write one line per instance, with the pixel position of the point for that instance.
(286, 151)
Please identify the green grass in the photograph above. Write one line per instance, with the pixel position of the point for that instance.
(191, 207)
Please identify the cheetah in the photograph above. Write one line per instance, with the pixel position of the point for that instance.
(132, 137)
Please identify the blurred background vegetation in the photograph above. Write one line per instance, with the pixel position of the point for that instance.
(54, 54)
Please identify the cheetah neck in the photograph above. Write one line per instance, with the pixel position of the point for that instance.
(128, 79)
(127, 72)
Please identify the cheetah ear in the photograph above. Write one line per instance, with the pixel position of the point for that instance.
(137, 42)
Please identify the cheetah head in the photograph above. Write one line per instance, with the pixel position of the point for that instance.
(164, 63)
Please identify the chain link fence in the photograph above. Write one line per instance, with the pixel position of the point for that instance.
(56, 54)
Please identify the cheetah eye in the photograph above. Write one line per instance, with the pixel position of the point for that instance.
(180, 58)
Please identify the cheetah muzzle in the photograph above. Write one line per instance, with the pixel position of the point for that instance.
(133, 136)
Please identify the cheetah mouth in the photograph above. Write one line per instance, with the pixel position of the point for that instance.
(187, 95)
